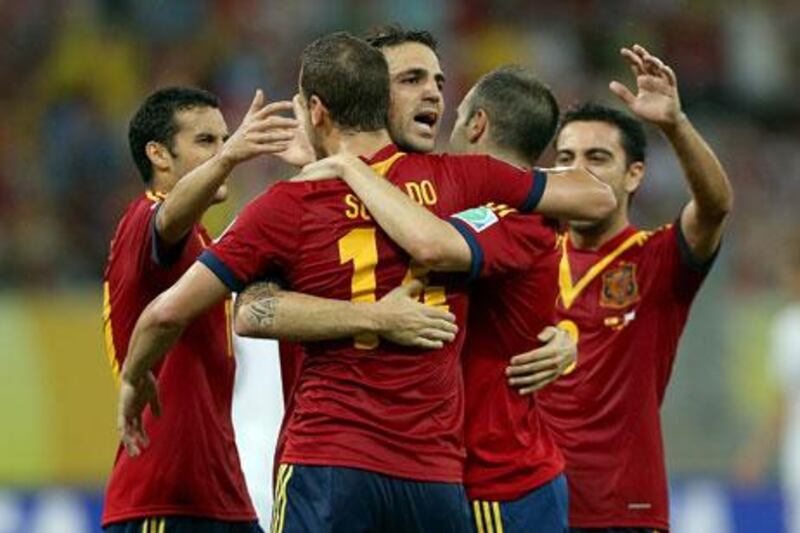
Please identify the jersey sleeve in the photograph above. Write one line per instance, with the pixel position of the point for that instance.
(502, 241)
(483, 179)
(161, 264)
(261, 242)
(161, 253)
(683, 272)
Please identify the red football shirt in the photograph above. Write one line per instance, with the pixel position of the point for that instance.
(363, 403)
(510, 451)
(191, 467)
(628, 302)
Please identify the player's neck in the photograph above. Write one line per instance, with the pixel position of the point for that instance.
(360, 143)
(162, 183)
(592, 237)
(510, 158)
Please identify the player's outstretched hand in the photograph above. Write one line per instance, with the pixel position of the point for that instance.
(538, 368)
(406, 321)
(262, 131)
(132, 400)
(656, 99)
(299, 151)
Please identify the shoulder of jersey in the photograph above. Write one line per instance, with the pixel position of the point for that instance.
(660, 230)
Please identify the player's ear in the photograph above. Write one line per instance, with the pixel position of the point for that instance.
(159, 156)
(477, 126)
(317, 111)
(634, 176)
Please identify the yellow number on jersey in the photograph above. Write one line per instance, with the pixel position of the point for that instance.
(360, 247)
(572, 330)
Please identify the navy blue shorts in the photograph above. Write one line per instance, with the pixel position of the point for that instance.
(182, 524)
(326, 499)
(544, 510)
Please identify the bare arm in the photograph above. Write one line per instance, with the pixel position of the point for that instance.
(156, 331)
(703, 219)
(265, 310)
(575, 194)
(433, 242)
(261, 132)
(657, 101)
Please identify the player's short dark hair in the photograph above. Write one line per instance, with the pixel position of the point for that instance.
(522, 110)
(350, 77)
(393, 34)
(631, 131)
(155, 121)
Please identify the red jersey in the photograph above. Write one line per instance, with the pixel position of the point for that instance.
(510, 451)
(628, 303)
(366, 403)
(191, 467)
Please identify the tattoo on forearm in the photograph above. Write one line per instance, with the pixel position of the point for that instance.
(260, 301)
(263, 312)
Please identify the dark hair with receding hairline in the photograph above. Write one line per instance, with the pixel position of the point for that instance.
(394, 34)
(155, 121)
(522, 110)
(350, 77)
(631, 131)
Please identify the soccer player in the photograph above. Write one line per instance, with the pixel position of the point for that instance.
(510, 115)
(626, 294)
(190, 479)
(513, 467)
(374, 440)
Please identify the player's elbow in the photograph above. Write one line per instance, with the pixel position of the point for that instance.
(603, 202)
(244, 326)
(164, 314)
(715, 210)
(443, 249)
(430, 254)
(724, 204)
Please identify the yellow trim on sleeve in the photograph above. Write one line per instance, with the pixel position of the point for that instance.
(229, 324)
(111, 352)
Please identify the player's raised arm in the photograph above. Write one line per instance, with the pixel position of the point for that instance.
(156, 331)
(262, 131)
(266, 310)
(657, 101)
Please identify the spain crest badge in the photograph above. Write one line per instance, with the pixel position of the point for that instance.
(619, 287)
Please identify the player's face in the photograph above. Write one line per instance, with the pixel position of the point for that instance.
(597, 147)
(417, 103)
(201, 133)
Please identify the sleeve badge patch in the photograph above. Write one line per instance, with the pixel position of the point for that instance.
(619, 287)
(478, 218)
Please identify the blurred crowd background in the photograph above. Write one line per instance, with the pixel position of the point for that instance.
(73, 71)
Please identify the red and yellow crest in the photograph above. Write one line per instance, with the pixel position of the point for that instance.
(619, 287)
